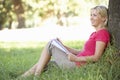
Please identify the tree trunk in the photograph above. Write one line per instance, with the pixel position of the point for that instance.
(114, 21)
(19, 10)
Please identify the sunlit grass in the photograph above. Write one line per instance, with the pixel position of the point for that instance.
(17, 57)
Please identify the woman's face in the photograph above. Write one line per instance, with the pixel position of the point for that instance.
(96, 19)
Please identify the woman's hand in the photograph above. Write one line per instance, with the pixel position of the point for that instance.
(72, 57)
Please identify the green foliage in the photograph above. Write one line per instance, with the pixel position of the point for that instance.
(5, 11)
(16, 58)
(37, 10)
(98, 2)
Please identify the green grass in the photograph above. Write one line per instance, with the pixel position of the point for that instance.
(17, 57)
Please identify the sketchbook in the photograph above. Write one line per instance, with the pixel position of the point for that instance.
(58, 44)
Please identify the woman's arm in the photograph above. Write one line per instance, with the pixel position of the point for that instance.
(71, 50)
(100, 47)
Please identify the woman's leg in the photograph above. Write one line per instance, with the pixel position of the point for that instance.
(39, 66)
(30, 71)
(43, 61)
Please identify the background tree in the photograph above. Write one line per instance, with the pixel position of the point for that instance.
(31, 13)
(19, 11)
(114, 21)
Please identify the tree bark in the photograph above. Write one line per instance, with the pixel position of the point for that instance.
(114, 21)
(19, 10)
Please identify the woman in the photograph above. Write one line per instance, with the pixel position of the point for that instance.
(92, 51)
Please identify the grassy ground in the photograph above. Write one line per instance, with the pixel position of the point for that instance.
(16, 58)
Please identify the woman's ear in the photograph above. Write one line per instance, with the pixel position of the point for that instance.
(105, 20)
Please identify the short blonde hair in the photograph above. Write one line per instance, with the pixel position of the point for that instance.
(103, 11)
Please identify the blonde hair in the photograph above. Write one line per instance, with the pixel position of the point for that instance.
(103, 11)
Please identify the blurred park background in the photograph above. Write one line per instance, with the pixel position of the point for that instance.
(26, 24)
(41, 20)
